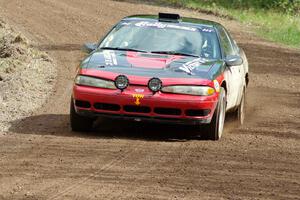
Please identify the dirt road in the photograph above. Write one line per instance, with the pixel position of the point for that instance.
(41, 159)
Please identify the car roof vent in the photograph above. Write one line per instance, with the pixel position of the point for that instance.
(168, 17)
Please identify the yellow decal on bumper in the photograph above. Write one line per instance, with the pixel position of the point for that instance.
(138, 97)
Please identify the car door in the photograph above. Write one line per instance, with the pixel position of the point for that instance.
(233, 74)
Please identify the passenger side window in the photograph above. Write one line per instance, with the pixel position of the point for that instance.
(234, 44)
(226, 43)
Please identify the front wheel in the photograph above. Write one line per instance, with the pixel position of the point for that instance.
(79, 123)
(214, 130)
(241, 109)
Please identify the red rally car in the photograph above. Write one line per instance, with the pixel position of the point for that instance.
(163, 68)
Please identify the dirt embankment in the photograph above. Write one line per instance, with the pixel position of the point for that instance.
(26, 76)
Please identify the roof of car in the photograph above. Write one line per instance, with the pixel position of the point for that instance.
(183, 20)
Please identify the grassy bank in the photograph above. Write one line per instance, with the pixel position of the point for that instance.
(279, 24)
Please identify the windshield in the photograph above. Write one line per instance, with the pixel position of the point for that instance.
(168, 38)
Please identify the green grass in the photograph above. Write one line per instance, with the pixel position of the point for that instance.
(271, 24)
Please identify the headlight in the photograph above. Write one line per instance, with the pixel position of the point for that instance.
(191, 90)
(94, 82)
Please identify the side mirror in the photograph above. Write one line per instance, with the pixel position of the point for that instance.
(233, 60)
(89, 47)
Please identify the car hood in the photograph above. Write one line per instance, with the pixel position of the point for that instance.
(152, 65)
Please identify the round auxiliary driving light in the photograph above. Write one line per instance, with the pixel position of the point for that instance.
(154, 84)
(121, 82)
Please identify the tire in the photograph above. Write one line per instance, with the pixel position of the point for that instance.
(79, 123)
(241, 109)
(214, 130)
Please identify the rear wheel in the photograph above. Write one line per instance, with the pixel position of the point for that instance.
(214, 130)
(79, 123)
(241, 109)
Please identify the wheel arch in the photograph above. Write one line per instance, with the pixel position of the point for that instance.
(224, 85)
(247, 79)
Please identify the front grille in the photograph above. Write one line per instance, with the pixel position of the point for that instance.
(167, 111)
(137, 109)
(107, 106)
(82, 104)
(197, 113)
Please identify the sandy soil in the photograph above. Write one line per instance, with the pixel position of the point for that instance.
(41, 159)
(27, 77)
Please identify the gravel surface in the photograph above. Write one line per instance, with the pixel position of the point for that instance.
(40, 158)
(27, 77)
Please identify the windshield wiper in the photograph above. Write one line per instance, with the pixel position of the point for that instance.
(175, 53)
(123, 49)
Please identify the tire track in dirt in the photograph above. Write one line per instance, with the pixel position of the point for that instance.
(184, 148)
(165, 156)
(107, 166)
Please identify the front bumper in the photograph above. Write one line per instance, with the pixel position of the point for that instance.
(139, 104)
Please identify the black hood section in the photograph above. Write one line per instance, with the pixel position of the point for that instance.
(153, 65)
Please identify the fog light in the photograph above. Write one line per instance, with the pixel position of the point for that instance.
(121, 82)
(154, 84)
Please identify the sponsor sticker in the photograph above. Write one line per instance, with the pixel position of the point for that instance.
(217, 86)
(110, 58)
(163, 25)
(139, 90)
(190, 66)
(208, 30)
(137, 98)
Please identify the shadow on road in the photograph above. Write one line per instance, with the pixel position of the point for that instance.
(58, 125)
